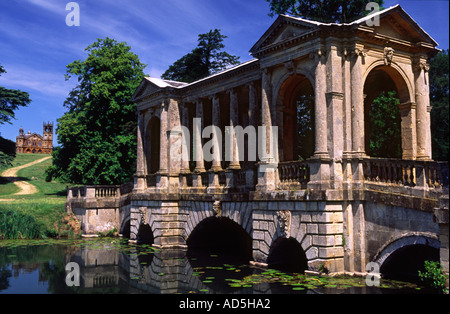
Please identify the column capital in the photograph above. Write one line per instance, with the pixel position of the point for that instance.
(214, 97)
(421, 65)
(318, 54)
(231, 90)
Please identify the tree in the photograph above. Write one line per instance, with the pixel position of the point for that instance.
(327, 11)
(439, 89)
(206, 59)
(385, 126)
(10, 101)
(7, 153)
(97, 135)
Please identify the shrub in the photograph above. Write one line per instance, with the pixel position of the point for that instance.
(433, 276)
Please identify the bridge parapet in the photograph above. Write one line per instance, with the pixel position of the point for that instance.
(100, 208)
(412, 173)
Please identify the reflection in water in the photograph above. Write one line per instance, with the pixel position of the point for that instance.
(111, 266)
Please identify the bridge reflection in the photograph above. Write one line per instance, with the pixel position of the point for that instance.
(132, 270)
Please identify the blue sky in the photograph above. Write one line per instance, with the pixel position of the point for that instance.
(36, 44)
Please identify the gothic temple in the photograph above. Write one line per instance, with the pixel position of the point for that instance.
(33, 143)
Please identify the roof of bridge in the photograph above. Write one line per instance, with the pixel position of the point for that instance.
(300, 27)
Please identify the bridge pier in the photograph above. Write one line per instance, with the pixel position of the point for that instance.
(441, 217)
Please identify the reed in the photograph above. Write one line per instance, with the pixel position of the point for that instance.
(16, 225)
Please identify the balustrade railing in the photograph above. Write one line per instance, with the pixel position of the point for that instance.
(105, 191)
(77, 192)
(386, 170)
(100, 191)
(406, 172)
(295, 172)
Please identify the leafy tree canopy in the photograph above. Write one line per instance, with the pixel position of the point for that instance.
(97, 135)
(385, 126)
(327, 11)
(10, 101)
(206, 59)
(439, 89)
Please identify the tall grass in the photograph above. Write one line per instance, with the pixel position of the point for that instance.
(15, 225)
(37, 215)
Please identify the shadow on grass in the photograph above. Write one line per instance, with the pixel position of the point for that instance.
(6, 180)
(58, 193)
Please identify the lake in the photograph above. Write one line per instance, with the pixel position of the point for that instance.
(113, 266)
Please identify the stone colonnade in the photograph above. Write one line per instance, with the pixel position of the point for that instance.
(347, 66)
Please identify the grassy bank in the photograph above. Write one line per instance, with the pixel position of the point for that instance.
(37, 215)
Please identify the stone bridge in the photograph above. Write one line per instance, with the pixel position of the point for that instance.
(314, 198)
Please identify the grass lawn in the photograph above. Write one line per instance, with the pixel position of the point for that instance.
(47, 207)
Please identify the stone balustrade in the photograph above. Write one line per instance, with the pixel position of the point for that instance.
(294, 173)
(409, 173)
(291, 175)
(99, 191)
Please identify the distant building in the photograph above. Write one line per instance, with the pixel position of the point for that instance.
(35, 143)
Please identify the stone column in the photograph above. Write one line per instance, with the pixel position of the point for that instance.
(409, 136)
(358, 140)
(174, 148)
(253, 121)
(422, 102)
(335, 114)
(234, 121)
(185, 123)
(140, 183)
(320, 108)
(217, 156)
(164, 144)
(174, 137)
(320, 163)
(198, 143)
(253, 105)
(267, 144)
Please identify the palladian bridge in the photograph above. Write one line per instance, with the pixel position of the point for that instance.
(313, 197)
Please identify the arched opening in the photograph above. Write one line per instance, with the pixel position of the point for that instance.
(296, 97)
(152, 145)
(126, 229)
(286, 254)
(222, 237)
(145, 235)
(406, 262)
(384, 91)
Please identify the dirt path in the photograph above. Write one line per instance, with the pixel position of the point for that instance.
(25, 187)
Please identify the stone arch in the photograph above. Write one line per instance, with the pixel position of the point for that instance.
(221, 235)
(405, 242)
(287, 254)
(289, 234)
(240, 213)
(145, 234)
(125, 227)
(380, 78)
(295, 116)
(403, 83)
(152, 145)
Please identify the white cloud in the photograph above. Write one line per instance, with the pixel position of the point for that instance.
(28, 79)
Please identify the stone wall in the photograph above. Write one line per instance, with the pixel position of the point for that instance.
(386, 223)
(317, 227)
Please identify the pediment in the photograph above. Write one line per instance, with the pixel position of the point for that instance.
(150, 85)
(395, 23)
(146, 87)
(283, 29)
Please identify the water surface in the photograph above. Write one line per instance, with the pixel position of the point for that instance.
(112, 266)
